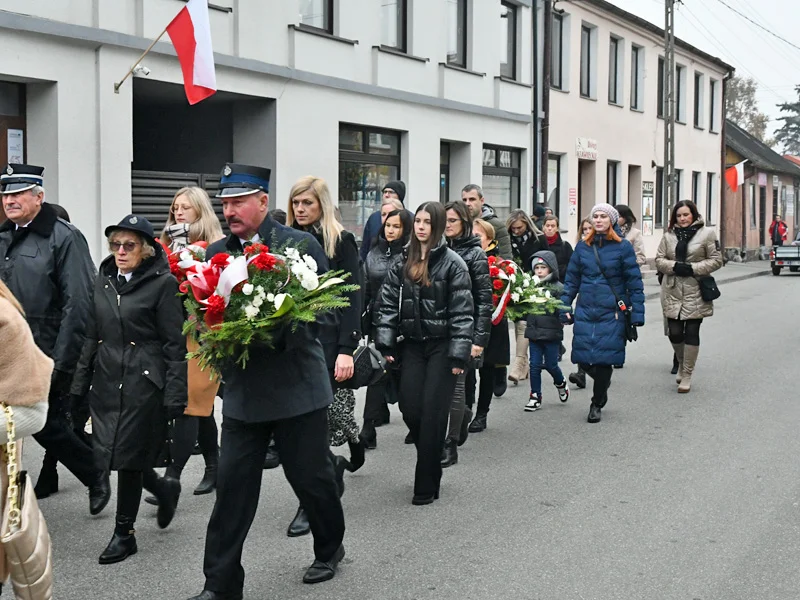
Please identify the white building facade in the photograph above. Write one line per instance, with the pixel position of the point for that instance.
(606, 126)
(437, 93)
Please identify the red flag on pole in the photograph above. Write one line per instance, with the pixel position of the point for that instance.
(735, 175)
(190, 32)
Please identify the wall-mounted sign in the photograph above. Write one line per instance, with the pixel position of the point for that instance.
(776, 181)
(648, 189)
(15, 146)
(573, 202)
(762, 179)
(586, 148)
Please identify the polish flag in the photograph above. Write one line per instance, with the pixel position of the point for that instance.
(735, 175)
(190, 33)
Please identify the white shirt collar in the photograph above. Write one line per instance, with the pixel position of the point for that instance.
(253, 240)
(127, 276)
(23, 226)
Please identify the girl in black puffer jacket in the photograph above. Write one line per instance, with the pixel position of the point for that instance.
(427, 299)
(386, 250)
(458, 230)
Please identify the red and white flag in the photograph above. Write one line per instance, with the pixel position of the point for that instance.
(735, 175)
(190, 32)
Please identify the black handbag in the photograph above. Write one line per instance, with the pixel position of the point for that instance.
(631, 334)
(708, 288)
(369, 367)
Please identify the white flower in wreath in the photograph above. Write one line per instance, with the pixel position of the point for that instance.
(310, 262)
(536, 280)
(292, 254)
(186, 255)
(547, 294)
(515, 297)
(270, 297)
(259, 290)
(250, 312)
(247, 289)
(257, 302)
(309, 281)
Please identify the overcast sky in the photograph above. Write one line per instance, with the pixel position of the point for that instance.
(714, 28)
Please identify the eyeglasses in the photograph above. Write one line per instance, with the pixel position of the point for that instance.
(129, 246)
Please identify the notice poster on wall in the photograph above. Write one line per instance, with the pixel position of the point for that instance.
(573, 202)
(15, 146)
(648, 210)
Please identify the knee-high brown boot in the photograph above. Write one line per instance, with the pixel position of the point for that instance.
(520, 369)
(679, 349)
(689, 360)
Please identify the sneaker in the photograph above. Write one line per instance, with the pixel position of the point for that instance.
(563, 391)
(534, 403)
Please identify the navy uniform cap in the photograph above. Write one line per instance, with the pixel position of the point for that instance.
(18, 178)
(138, 225)
(240, 180)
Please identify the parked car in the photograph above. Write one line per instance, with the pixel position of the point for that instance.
(785, 256)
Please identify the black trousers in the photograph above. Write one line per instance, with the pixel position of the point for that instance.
(62, 443)
(426, 388)
(305, 455)
(485, 389)
(601, 374)
(129, 492)
(375, 404)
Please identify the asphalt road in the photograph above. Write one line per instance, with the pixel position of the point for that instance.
(690, 497)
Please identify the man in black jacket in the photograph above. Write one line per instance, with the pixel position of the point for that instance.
(47, 265)
(283, 392)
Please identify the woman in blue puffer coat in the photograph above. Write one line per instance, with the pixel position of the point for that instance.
(599, 338)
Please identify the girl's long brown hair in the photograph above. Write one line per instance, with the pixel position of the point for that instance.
(416, 268)
(6, 294)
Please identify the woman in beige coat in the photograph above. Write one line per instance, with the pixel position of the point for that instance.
(688, 252)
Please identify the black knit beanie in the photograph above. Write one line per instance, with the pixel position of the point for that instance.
(398, 187)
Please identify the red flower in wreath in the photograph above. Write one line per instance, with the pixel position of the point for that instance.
(220, 260)
(264, 262)
(497, 284)
(256, 249)
(215, 310)
(494, 271)
(492, 260)
(510, 270)
(495, 299)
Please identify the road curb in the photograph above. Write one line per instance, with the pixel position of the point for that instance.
(655, 295)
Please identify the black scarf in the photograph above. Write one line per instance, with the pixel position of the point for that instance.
(518, 242)
(684, 234)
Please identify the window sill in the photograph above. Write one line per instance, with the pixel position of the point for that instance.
(514, 82)
(562, 90)
(461, 69)
(617, 104)
(677, 122)
(322, 33)
(713, 132)
(699, 128)
(397, 52)
(588, 98)
(637, 110)
(225, 9)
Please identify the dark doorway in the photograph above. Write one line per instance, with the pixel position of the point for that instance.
(762, 217)
(586, 186)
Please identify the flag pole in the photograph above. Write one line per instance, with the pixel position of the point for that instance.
(140, 59)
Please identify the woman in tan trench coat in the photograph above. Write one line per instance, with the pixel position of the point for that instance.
(688, 252)
(191, 220)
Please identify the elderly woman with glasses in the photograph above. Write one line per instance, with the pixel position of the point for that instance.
(133, 368)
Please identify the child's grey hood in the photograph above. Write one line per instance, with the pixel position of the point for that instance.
(547, 258)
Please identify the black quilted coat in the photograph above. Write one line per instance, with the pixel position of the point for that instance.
(469, 249)
(442, 311)
(379, 260)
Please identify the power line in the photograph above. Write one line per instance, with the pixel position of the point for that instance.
(746, 18)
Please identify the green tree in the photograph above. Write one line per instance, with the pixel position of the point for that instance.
(789, 133)
(741, 107)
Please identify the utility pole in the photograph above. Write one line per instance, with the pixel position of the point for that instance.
(670, 182)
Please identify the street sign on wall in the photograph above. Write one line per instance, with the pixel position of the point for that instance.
(586, 148)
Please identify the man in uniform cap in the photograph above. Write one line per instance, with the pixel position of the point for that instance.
(45, 261)
(283, 392)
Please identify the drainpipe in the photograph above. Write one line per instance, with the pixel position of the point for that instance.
(546, 75)
(535, 158)
(723, 227)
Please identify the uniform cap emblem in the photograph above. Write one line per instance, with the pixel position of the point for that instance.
(227, 172)
(9, 170)
(133, 220)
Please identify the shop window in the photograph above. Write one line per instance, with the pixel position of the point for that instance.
(501, 178)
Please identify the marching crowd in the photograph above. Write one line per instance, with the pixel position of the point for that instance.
(110, 345)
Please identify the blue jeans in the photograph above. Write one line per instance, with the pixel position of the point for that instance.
(544, 355)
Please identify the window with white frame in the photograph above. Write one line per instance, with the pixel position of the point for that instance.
(615, 69)
(501, 178)
(588, 61)
(696, 188)
(637, 77)
(317, 14)
(712, 105)
(393, 24)
(508, 38)
(711, 180)
(457, 33)
(557, 52)
(699, 99)
(680, 94)
(612, 182)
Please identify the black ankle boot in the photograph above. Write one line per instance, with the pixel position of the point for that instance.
(47, 483)
(273, 459)
(594, 414)
(167, 495)
(500, 381)
(209, 482)
(357, 456)
(340, 465)
(122, 544)
(368, 435)
(478, 423)
(449, 453)
(299, 525)
(579, 378)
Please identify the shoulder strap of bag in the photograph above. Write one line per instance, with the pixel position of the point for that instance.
(622, 306)
(12, 468)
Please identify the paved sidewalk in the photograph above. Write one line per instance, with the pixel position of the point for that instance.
(730, 273)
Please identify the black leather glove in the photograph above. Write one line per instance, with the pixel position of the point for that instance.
(60, 381)
(683, 269)
(174, 411)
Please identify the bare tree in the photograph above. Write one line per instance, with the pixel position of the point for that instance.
(741, 107)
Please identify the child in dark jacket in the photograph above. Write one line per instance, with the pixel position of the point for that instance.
(545, 333)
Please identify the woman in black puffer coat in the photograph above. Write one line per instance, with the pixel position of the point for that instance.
(427, 298)
(526, 240)
(458, 230)
(386, 249)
